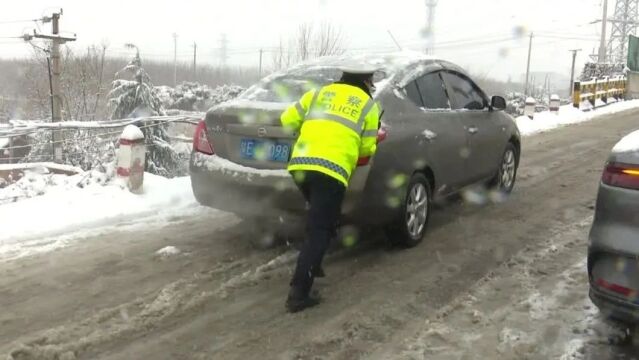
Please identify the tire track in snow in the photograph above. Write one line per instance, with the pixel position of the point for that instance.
(142, 316)
(535, 306)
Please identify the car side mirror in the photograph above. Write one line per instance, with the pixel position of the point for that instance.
(498, 103)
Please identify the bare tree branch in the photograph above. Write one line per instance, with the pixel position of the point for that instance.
(308, 43)
(304, 41)
(329, 41)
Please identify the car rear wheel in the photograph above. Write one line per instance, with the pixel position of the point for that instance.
(504, 181)
(410, 226)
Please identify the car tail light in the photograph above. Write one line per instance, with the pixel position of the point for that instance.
(616, 288)
(381, 136)
(621, 175)
(201, 141)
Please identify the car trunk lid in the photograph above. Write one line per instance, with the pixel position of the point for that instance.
(250, 133)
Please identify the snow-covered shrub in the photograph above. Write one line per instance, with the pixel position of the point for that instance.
(596, 70)
(193, 96)
(515, 103)
(91, 149)
(88, 149)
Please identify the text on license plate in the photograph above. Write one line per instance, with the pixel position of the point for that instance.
(265, 150)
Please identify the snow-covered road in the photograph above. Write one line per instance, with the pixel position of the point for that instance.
(532, 307)
(499, 281)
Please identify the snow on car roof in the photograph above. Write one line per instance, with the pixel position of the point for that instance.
(395, 67)
(629, 143)
(389, 63)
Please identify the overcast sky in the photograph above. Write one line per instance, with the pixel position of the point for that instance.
(475, 34)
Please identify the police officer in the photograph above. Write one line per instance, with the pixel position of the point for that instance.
(338, 124)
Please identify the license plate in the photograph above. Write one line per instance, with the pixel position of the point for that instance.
(265, 150)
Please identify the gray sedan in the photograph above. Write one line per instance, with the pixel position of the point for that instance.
(613, 268)
(440, 134)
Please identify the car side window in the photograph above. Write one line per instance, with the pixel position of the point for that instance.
(413, 93)
(433, 92)
(464, 94)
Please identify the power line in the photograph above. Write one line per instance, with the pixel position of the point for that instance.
(584, 38)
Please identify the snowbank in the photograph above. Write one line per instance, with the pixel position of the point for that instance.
(567, 114)
(37, 180)
(41, 165)
(65, 207)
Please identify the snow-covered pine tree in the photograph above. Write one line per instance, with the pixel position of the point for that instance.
(138, 98)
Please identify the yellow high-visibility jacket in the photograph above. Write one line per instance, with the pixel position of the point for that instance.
(338, 124)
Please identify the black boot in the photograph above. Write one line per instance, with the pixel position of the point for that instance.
(297, 301)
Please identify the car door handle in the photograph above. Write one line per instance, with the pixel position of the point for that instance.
(473, 130)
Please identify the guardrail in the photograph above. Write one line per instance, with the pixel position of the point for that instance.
(598, 89)
(81, 140)
(21, 127)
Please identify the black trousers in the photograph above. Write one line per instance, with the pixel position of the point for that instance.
(324, 195)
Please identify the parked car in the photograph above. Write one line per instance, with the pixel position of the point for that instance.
(439, 134)
(613, 269)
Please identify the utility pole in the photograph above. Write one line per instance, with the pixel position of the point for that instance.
(223, 49)
(54, 76)
(261, 53)
(194, 61)
(572, 72)
(546, 86)
(429, 31)
(528, 65)
(601, 58)
(175, 59)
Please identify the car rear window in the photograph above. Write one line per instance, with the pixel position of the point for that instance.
(291, 86)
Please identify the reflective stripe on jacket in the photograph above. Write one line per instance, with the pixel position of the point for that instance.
(338, 124)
